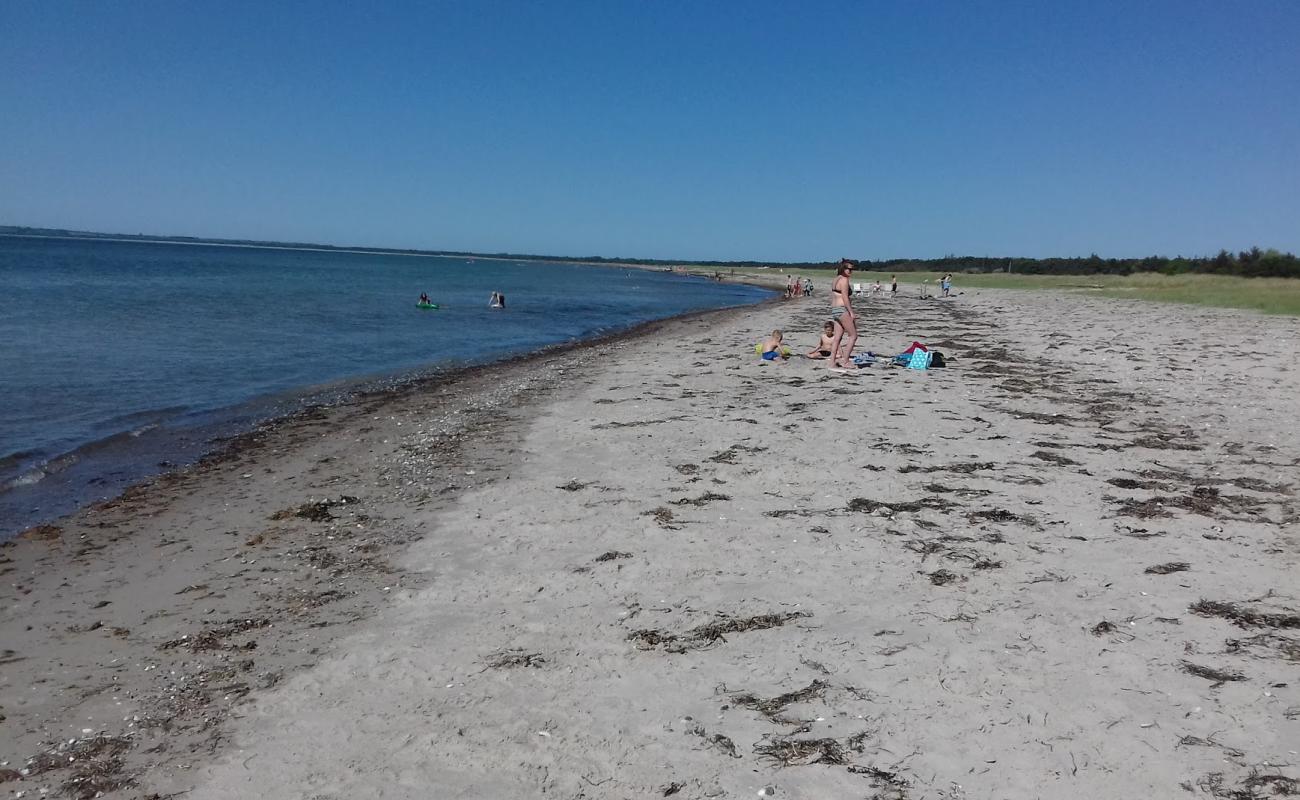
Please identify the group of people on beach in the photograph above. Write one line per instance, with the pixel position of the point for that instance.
(839, 333)
(797, 287)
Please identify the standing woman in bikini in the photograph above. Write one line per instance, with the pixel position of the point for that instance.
(846, 324)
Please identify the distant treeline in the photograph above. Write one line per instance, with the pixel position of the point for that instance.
(1252, 263)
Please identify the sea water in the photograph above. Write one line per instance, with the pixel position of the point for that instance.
(122, 359)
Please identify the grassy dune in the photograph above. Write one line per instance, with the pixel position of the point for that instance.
(1266, 295)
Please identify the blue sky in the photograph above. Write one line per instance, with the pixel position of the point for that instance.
(764, 130)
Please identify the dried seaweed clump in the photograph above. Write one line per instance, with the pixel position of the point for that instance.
(1203, 500)
(612, 555)
(1255, 786)
(894, 786)
(1244, 617)
(710, 633)
(717, 741)
(664, 516)
(1165, 569)
(702, 500)
(508, 659)
(573, 486)
(1000, 515)
(1219, 676)
(773, 706)
(315, 511)
(942, 577)
(95, 764)
(1043, 455)
(214, 638)
(714, 631)
(788, 752)
(1288, 647)
(867, 506)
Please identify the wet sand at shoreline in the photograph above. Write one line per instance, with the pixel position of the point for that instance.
(664, 568)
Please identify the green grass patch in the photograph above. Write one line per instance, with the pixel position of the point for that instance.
(1265, 295)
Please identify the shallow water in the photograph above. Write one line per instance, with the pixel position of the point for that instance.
(118, 359)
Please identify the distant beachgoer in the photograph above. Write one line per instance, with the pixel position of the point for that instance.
(772, 349)
(846, 326)
(947, 285)
(826, 345)
(876, 288)
(807, 287)
(893, 286)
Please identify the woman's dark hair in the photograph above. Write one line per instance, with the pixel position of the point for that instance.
(845, 264)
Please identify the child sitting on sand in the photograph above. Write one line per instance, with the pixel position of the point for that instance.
(772, 349)
(823, 348)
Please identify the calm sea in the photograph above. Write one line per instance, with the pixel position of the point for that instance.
(121, 359)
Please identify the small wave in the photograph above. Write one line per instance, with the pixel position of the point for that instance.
(40, 472)
(15, 459)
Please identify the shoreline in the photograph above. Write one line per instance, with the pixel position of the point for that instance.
(918, 566)
(231, 422)
(338, 581)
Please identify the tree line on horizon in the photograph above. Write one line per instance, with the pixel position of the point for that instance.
(1252, 263)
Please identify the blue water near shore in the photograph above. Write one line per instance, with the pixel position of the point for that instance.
(121, 359)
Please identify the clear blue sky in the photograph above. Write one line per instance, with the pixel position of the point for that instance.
(765, 130)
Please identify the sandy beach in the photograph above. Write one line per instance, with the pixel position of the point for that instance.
(1063, 567)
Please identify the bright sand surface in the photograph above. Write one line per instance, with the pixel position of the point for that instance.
(662, 567)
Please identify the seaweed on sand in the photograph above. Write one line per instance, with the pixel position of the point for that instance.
(1287, 646)
(717, 741)
(214, 638)
(665, 517)
(702, 500)
(1164, 442)
(730, 455)
(1219, 676)
(787, 751)
(961, 468)
(866, 506)
(573, 486)
(710, 633)
(1000, 515)
(1244, 617)
(1043, 455)
(1149, 485)
(1165, 569)
(1203, 500)
(315, 511)
(773, 706)
(941, 577)
(1256, 786)
(507, 659)
(95, 764)
(612, 555)
(894, 785)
